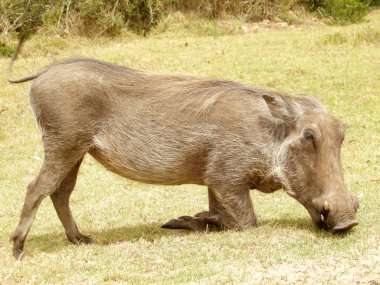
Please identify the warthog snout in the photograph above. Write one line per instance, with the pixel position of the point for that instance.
(345, 226)
(337, 217)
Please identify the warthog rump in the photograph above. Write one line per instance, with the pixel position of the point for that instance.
(175, 130)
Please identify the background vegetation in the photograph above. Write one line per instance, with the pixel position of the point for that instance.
(94, 18)
(106, 17)
(337, 64)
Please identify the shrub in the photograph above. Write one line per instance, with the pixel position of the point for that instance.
(368, 36)
(109, 17)
(335, 39)
(23, 16)
(344, 11)
(96, 17)
(142, 15)
(250, 10)
(340, 11)
(85, 17)
(5, 50)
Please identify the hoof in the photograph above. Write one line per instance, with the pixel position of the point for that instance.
(17, 253)
(18, 246)
(182, 223)
(85, 240)
(191, 223)
(208, 218)
(185, 218)
(82, 239)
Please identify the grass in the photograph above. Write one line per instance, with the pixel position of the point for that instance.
(124, 217)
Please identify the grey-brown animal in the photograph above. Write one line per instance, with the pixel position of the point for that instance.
(176, 130)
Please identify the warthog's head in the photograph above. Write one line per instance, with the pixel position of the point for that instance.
(308, 160)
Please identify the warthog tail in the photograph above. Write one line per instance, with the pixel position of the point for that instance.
(14, 58)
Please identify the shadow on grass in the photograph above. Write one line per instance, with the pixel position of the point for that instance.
(149, 232)
(152, 232)
(300, 224)
(289, 223)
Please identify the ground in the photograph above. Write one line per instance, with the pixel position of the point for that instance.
(337, 65)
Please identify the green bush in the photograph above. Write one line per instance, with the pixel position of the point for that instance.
(368, 36)
(22, 16)
(96, 17)
(84, 17)
(338, 11)
(335, 39)
(109, 17)
(344, 11)
(142, 15)
(249, 10)
(5, 50)
(374, 2)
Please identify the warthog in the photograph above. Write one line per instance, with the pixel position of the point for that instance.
(176, 130)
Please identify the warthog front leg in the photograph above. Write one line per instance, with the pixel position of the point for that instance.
(227, 210)
(201, 222)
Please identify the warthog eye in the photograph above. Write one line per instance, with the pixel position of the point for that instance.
(309, 136)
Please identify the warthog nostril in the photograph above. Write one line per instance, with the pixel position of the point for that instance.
(345, 226)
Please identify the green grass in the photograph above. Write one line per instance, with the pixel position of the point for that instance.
(124, 217)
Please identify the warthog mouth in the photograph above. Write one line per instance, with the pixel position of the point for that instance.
(324, 215)
(340, 228)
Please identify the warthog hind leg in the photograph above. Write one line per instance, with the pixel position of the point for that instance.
(61, 199)
(58, 172)
(44, 184)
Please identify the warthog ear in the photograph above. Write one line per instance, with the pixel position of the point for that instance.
(280, 107)
(283, 113)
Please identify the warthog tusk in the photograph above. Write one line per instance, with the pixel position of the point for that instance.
(322, 218)
(360, 196)
(326, 206)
